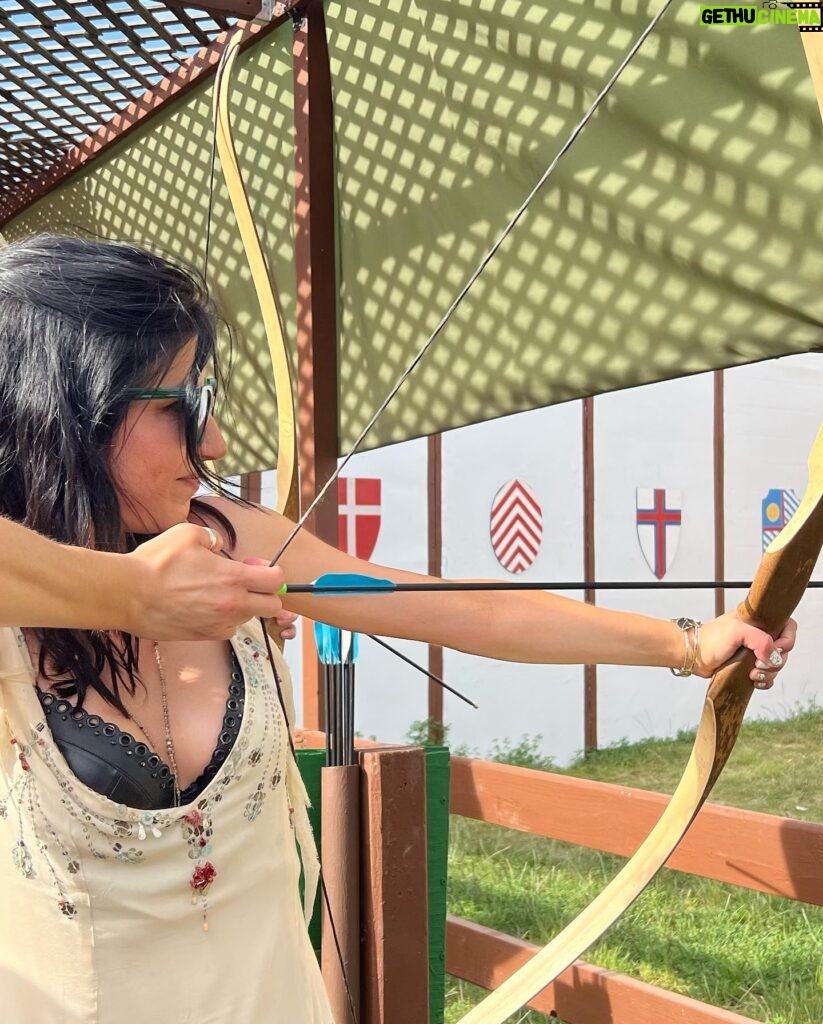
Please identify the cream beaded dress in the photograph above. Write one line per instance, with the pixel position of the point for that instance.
(189, 915)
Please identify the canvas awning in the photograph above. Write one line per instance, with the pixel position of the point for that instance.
(683, 232)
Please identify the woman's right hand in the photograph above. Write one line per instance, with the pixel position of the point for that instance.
(187, 591)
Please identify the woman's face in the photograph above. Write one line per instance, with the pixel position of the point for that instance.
(154, 480)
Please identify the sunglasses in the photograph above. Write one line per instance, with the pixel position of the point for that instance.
(199, 402)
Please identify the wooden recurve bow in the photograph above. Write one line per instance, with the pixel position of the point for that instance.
(288, 490)
(778, 585)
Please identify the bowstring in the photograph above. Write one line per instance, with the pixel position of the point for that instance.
(420, 355)
(501, 238)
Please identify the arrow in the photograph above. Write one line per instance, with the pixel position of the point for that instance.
(337, 650)
(332, 583)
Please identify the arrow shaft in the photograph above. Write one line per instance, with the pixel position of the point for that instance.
(387, 587)
(420, 668)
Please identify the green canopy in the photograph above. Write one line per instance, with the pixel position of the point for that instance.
(682, 232)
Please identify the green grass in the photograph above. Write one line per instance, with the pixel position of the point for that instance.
(758, 955)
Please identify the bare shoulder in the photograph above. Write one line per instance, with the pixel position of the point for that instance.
(260, 531)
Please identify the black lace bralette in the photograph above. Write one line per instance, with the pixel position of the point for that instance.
(125, 769)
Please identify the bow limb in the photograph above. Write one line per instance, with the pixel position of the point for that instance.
(778, 585)
(288, 491)
(287, 466)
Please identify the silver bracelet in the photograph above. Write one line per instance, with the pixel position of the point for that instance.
(690, 654)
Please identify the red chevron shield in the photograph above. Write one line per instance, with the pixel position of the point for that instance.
(516, 526)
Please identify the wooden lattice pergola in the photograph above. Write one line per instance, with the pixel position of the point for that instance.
(76, 77)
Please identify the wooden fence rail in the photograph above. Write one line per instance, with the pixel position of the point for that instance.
(583, 994)
(775, 855)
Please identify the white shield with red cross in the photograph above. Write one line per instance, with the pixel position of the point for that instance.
(659, 511)
(358, 500)
(516, 526)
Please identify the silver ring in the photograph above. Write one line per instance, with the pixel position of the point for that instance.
(213, 538)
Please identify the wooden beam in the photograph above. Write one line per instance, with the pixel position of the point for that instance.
(251, 486)
(435, 539)
(315, 266)
(246, 9)
(136, 114)
(589, 671)
(719, 491)
(757, 851)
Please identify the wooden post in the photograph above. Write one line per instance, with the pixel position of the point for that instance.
(251, 486)
(438, 771)
(395, 954)
(719, 492)
(314, 217)
(340, 817)
(589, 671)
(435, 506)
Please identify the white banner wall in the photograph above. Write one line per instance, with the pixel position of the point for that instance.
(390, 695)
(659, 438)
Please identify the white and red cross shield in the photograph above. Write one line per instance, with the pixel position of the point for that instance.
(358, 500)
(659, 512)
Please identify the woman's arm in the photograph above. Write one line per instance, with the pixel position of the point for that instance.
(517, 626)
(173, 587)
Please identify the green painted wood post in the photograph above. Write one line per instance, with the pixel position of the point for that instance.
(310, 762)
(437, 840)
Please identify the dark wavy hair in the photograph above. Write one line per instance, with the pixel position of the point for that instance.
(82, 322)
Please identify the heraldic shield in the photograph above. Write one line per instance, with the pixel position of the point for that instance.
(659, 513)
(516, 526)
(358, 502)
(777, 508)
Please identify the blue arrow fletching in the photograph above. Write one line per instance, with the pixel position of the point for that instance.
(327, 639)
(346, 582)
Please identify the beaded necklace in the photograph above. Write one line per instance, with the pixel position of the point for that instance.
(164, 699)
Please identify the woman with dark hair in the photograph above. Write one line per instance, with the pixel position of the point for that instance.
(152, 872)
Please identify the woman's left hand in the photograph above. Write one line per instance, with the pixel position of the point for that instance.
(721, 638)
